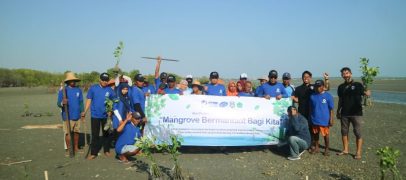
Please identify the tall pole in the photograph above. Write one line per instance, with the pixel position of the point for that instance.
(67, 123)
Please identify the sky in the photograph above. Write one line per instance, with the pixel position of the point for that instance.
(230, 37)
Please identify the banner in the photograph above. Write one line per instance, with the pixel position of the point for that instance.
(217, 120)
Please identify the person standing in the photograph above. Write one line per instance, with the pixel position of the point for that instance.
(247, 91)
(273, 88)
(302, 93)
(298, 134)
(289, 88)
(232, 89)
(189, 79)
(214, 88)
(349, 110)
(197, 88)
(184, 87)
(138, 95)
(96, 97)
(321, 114)
(74, 102)
(160, 78)
(259, 89)
(171, 89)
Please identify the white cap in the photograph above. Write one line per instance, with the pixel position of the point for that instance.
(243, 75)
(189, 76)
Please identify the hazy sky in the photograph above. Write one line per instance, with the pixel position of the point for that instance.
(227, 36)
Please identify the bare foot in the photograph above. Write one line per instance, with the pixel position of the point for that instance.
(107, 154)
(91, 157)
(357, 156)
(123, 159)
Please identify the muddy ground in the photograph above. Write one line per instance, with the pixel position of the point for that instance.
(384, 125)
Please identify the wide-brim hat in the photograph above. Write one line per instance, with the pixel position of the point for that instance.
(70, 76)
(196, 83)
(263, 78)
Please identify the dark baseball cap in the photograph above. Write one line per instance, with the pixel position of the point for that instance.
(104, 76)
(286, 75)
(214, 75)
(139, 78)
(273, 73)
(319, 83)
(136, 115)
(171, 78)
(163, 75)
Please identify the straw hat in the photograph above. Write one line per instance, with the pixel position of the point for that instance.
(70, 76)
(196, 82)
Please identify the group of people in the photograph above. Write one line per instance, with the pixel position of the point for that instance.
(313, 116)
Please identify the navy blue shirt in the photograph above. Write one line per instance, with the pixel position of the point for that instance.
(98, 95)
(75, 102)
(274, 90)
(321, 104)
(297, 126)
(216, 90)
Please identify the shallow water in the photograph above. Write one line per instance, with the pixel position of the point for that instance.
(383, 96)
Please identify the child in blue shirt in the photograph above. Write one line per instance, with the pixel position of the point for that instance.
(321, 114)
(214, 88)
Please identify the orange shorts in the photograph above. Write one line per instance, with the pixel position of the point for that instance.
(324, 130)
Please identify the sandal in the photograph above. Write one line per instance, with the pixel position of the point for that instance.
(342, 153)
(357, 157)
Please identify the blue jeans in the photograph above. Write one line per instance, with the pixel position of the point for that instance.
(296, 145)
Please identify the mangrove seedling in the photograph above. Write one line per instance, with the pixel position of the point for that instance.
(388, 160)
(368, 75)
(147, 146)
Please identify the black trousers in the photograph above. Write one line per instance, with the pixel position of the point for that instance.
(97, 141)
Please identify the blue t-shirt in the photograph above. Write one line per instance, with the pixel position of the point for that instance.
(216, 90)
(122, 109)
(157, 83)
(127, 136)
(321, 104)
(75, 101)
(274, 90)
(289, 90)
(138, 96)
(245, 94)
(259, 92)
(172, 91)
(149, 89)
(98, 95)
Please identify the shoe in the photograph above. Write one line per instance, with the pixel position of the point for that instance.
(293, 158)
(302, 153)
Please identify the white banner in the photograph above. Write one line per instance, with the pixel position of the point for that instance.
(217, 120)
